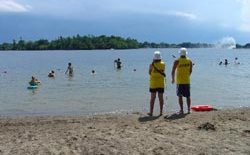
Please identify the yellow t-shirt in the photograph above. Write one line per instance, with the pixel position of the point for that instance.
(183, 71)
(157, 79)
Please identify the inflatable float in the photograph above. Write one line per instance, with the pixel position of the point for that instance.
(32, 87)
(202, 108)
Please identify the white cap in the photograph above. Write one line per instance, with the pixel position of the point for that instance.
(157, 55)
(183, 51)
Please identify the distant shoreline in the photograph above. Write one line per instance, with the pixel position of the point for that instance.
(91, 42)
(103, 42)
(121, 49)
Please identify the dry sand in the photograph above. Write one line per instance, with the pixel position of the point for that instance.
(216, 132)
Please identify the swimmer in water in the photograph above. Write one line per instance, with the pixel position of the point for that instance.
(34, 81)
(236, 62)
(51, 74)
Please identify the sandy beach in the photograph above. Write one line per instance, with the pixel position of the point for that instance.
(216, 132)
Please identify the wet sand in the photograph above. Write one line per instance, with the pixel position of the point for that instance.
(217, 132)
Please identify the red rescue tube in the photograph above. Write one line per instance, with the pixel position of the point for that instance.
(202, 108)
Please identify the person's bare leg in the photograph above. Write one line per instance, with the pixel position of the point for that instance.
(180, 104)
(152, 102)
(188, 104)
(161, 101)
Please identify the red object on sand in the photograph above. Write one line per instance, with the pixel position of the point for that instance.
(202, 108)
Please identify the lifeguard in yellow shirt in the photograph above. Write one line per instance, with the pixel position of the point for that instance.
(157, 84)
(181, 71)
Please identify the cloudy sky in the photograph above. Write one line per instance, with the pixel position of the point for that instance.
(172, 21)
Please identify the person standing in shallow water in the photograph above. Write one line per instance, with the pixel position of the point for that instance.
(118, 63)
(157, 83)
(69, 69)
(181, 71)
(236, 62)
(226, 62)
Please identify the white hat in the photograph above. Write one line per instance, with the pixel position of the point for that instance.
(157, 55)
(183, 51)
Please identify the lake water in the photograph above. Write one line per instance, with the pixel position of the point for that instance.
(112, 91)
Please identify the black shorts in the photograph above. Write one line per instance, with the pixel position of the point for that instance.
(154, 90)
(183, 90)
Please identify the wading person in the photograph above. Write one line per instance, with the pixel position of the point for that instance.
(69, 69)
(118, 63)
(157, 75)
(181, 71)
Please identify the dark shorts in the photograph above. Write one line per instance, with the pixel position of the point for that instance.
(119, 67)
(183, 90)
(154, 90)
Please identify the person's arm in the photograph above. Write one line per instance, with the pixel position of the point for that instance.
(67, 70)
(163, 71)
(150, 69)
(173, 70)
(115, 63)
(191, 67)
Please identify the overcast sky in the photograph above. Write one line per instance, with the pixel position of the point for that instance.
(172, 21)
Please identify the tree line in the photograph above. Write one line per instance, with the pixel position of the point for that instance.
(73, 43)
(243, 46)
(91, 42)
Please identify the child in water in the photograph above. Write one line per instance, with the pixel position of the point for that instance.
(34, 81)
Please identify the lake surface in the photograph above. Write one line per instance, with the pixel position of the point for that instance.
(112, 91)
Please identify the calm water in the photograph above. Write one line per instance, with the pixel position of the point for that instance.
(111, 91)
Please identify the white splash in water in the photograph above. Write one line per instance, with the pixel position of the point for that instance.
(226, 42)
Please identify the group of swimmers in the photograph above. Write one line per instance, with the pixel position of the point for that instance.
(34, 81)
(236, 62)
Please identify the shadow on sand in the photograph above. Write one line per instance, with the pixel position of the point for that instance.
(148, 118)
(175, 116)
